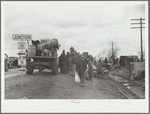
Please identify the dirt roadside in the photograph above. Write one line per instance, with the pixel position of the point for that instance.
(45, 86)
(137, 86)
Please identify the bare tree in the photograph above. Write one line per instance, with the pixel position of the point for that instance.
(109, 54)
(99, 55)
(115, 52)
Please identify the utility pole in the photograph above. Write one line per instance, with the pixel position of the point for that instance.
(103, 54)
(112, 44)
(141, 33)
(99, 55)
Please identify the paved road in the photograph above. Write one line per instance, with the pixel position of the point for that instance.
(46, 86)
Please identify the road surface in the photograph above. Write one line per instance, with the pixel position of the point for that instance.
(46, 86)
(43, 85)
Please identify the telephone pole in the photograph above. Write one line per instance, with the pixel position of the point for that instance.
(112, 44)
(141, 33)
(103, 54)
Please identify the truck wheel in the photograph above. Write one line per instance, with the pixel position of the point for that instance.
(9, 67)
(54, 68)
(27, 72)
(29, 68)
(6, 69)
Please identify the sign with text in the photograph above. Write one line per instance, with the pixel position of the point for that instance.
(22, 70)
(23, 37)
(21, 53)
(21, 62)
(21, 45)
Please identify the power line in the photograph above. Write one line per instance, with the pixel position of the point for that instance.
(137, 19)
(136, 27)
(136, 23)
(141, 32)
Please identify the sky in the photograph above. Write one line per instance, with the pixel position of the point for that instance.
(88, 26)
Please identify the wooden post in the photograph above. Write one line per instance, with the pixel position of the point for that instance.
(141, 33)
(22, 79)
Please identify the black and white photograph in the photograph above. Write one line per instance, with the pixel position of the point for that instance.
(75, 53)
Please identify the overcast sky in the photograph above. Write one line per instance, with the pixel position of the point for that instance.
(87, 26)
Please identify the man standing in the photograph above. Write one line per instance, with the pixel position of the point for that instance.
(74, 61)
(99, 69)
(62, 62)
(81, 67)
(94, 61)
(70, 63)
(67, 63)
(91, 72)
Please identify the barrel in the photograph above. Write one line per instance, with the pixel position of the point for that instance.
(31, 50)
(47, 45)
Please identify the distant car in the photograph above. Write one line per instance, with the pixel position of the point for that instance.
(13, 61)
(6, 62)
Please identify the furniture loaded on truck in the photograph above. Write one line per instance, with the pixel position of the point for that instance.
(42, 55)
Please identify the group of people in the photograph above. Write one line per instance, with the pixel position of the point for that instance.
(74, 62)
(66, 62)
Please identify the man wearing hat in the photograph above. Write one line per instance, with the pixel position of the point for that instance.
(74, 61)
(62, 62)
(99, 69)
(67, 62)
(91, 71)
(81, 67)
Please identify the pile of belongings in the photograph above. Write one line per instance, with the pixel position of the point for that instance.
(48, 48)
(72, 50)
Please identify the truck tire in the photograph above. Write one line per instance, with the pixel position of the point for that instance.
(6, 69)
(29, 68)
(9, 66)
(54, 68)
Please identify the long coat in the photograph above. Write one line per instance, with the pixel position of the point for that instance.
(81, 67)
(62, 63)
(60, 60)
(91, 71)
(99, 67)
